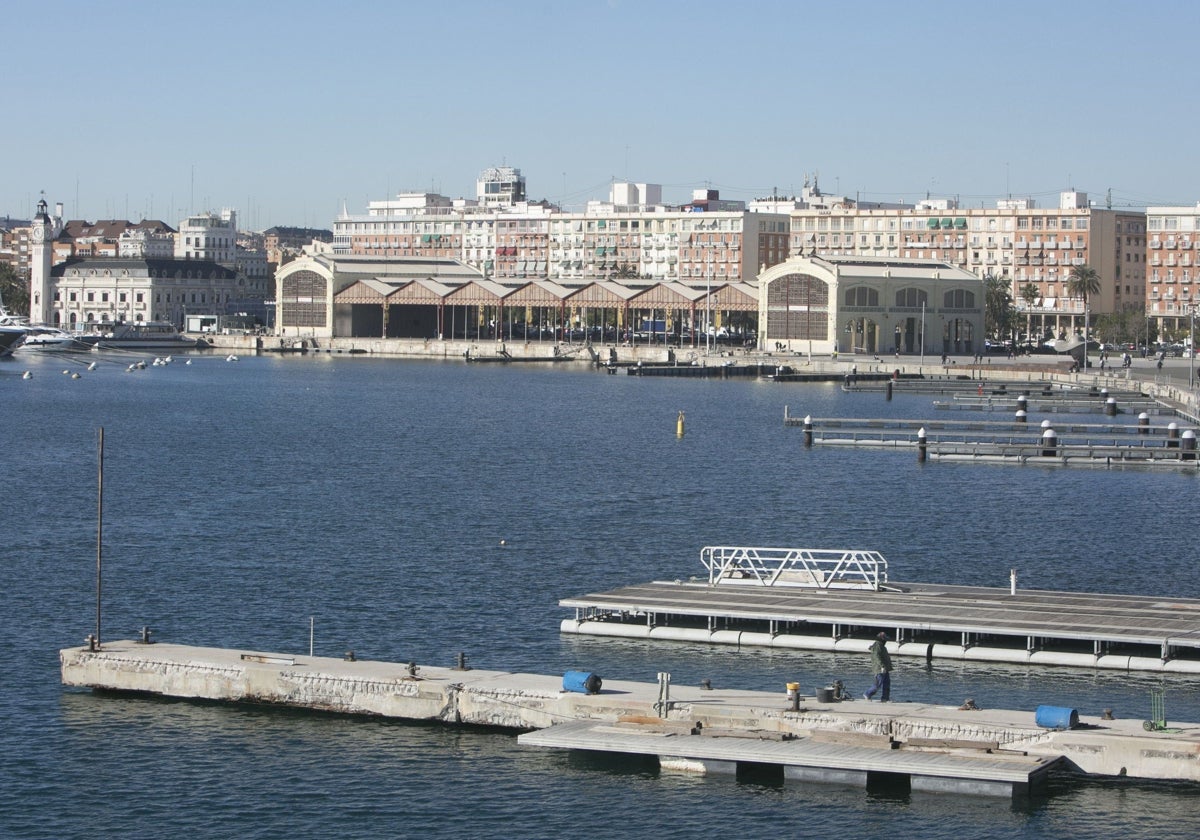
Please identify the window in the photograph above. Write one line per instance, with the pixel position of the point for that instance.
(911, 297)
(861, 296)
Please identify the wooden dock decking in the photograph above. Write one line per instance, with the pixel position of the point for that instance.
(1126, 632)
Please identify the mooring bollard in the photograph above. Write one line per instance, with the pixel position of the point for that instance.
(1023, 402)
(1172, 435)
(808, 430)
(1020, 416)
(922, 445)
(1049, 443)
(1143, 423)
(1110, 406)
(1189, 446)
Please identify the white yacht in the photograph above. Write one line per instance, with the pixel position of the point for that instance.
(12, 332)
(51, 338)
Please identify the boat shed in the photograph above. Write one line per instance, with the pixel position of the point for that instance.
(870, 305)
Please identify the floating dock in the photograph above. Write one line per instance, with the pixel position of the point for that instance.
(836, 601)
(689, 728)
(965, 767)
(1103, 445)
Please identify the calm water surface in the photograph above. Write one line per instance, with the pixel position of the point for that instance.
(243, 498)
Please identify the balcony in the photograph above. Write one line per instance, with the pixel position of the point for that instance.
(1155, 245)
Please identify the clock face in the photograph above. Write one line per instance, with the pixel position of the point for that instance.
(38, 233)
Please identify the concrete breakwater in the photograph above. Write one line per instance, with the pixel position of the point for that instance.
(525, 702)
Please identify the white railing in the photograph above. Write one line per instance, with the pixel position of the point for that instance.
(813, 568)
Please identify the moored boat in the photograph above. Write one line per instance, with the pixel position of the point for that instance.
(52, 338)
(144, 335)
(12, 332)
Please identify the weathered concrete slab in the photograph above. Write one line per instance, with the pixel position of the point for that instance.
(535, 701)
(811, 759)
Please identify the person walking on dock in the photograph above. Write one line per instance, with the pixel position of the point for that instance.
(881, 662)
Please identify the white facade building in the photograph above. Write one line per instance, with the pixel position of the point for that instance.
(622, 239)
(138, 243)
(1173, 265)
(208, 236)
(500, 186)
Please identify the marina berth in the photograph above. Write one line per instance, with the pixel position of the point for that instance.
(834, 600)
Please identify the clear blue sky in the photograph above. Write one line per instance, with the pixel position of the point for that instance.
(283, 110)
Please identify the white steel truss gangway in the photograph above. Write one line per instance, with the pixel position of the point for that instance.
(811, 568)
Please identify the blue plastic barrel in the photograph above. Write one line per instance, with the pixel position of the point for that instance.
(1056, 717)
(582, 682)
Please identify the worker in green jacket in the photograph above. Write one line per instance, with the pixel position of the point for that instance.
(881, 663)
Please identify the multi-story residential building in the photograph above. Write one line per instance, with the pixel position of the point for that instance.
(111, 238)
(1015, 240)
(500, 186)
(280, 242)
(709, 241)
(1173, 262)
(208, 236)
(14, 245)
(138, 242)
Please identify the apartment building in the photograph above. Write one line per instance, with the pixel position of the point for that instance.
(632, 237)
(1173, 263)
(208, 236)
(1016, 239)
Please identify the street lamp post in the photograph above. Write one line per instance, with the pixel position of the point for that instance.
(1192, 349)
(1086, 313)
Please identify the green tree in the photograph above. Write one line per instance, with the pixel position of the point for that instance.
(998, 312)
(626, 271)
(1084, 282)
(14, 292)
(1031, 296)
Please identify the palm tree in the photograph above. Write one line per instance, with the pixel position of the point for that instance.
(1031, 295)
(1084, 282)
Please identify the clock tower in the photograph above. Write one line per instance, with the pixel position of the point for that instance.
(41, 233)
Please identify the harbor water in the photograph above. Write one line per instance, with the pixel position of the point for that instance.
(414, 511)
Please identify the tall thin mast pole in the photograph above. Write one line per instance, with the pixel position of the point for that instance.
(99, 530)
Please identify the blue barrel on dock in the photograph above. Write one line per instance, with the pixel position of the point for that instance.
(1056, 717)
(582, 682)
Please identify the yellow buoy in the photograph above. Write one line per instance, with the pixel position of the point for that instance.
(679, 426)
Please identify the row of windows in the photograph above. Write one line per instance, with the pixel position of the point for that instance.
(138, 297)
(866, 296)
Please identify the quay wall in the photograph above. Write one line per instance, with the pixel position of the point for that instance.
(533, 701)
(1026, 369)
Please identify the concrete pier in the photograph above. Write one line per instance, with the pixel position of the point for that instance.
(893, 732)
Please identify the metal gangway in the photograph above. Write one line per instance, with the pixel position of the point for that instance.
(811, 568)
